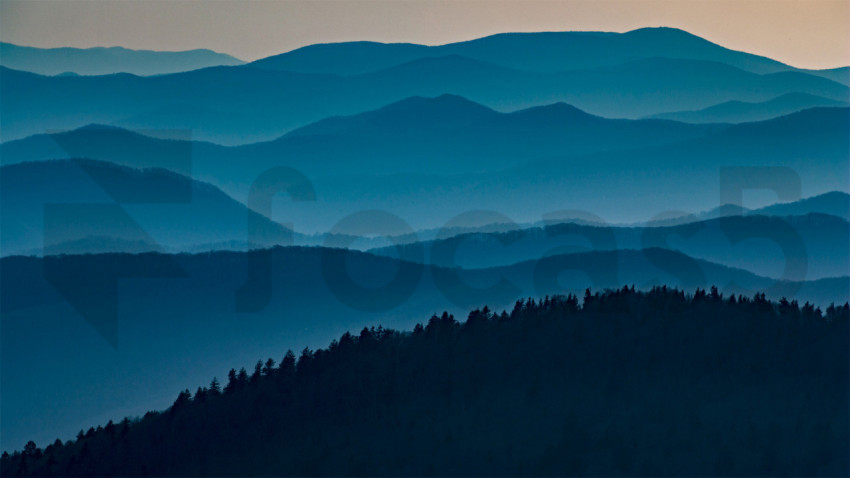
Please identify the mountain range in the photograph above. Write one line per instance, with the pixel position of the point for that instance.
(107, 61)
(88, 206)
(258, 101)
(539, 52)
(95, 206)
(430, 159)
(813, 246)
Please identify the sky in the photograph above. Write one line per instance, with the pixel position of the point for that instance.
(802, 33)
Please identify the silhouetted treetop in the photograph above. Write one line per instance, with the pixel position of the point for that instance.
(618, 382)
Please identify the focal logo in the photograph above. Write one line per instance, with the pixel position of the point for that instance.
(95, 295)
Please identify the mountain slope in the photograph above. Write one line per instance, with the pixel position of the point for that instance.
(48, 204)
(135, 149)
(835, 203)
(106, 61)
(840, 75)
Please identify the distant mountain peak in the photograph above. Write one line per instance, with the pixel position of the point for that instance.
(105, 60)
(445, 110)
(98, 127)
(560, 109)
(444, 102)
(663, 30)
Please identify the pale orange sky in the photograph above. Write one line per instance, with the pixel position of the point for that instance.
(803, 33)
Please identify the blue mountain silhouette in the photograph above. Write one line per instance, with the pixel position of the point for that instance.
(540, 51)
(244, 104)
(431, 159)
(105, 61)
(86, 205)
(742, 112)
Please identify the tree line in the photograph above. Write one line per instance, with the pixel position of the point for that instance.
(619, 382)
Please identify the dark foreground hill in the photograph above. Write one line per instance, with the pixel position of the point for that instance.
(627, 383)
(91, 338)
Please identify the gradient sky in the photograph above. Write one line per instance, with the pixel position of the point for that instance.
(803, 33)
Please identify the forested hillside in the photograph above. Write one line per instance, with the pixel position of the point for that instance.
(617, 383)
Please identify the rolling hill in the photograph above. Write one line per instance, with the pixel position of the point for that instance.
(833, 203)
